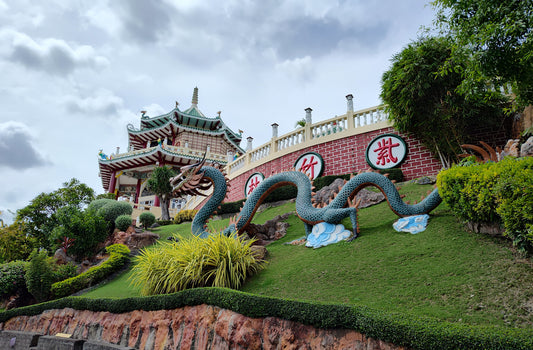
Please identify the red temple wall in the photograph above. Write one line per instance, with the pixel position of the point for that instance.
(344, 156)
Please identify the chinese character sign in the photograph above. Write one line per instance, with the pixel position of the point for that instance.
(386, 151)
(311, 164)
(253, 181)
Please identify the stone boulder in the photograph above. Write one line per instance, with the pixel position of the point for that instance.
(526, 150)
(142, 239)
(327, 193)
(270, 231)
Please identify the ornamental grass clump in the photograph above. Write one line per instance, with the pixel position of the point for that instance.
(216, 261)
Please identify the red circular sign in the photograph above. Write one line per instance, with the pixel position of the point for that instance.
(386, 151)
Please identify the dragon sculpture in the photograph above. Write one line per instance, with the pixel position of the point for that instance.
(201, 177)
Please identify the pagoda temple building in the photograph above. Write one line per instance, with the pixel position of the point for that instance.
(175, 139)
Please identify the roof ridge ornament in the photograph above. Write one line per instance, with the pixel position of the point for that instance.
(195, 97)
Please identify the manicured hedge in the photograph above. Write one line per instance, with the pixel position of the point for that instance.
(408, 331)
(118, 257)
(493, 192)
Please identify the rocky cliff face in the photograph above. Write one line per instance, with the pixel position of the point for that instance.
(197, 327)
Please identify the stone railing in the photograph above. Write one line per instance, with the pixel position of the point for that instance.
(311, 134)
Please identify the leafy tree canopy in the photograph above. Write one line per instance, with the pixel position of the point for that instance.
(159, 183)
(495, 38)
(39, 217)
(423, 102)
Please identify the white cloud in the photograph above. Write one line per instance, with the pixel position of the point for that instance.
(301, 69)
(102, 103)
(54, 56)
(16, 147)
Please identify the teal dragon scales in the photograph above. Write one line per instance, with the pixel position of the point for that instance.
(201, 177)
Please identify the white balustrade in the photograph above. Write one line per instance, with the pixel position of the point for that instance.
(337, 125)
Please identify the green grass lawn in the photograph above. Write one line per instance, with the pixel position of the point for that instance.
(443, 272)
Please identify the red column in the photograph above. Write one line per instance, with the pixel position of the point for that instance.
(137, 190)
(112, 183)
(156, 201)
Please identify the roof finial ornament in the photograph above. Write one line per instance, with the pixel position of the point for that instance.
(219, 112)
(195, 97)
(177, 104)
(143, 113)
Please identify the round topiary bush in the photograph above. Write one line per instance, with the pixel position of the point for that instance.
(147, 219)
(123, 222)
(112, 210)
(98, 203)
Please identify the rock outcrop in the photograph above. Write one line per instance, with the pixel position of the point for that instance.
(193, 327)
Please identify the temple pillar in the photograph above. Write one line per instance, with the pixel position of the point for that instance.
(112, 183)
(137, 190)
(156, 201)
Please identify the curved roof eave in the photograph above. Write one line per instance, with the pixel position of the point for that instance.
(231, 136)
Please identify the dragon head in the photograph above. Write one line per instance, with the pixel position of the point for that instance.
(190, 180)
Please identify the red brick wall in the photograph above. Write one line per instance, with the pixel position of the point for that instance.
(345, 156)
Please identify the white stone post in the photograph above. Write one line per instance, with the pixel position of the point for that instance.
(349, 100)
(249, 140)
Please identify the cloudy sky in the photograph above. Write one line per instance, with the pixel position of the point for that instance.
(75, 73)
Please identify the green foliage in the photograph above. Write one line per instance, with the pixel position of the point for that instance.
(147, 219)
(106, 195)
(99, 203)
(323, 181)
(514, 194)
(14, 245)
(39, 217)
(494, 38)
(39, 275)
(407, 331)
(159, 183)
(395, 174)
(118, 257)
(123, 222)
(231, 207)
(165, 222)
(218, 260)
(86, 228)
(185, 215)
(112, 210)
(281, 194)
(425, 103)
(12, 279)
(490, 192)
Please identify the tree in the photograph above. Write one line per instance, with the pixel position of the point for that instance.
(495, 39)
(39, 217)
(423, 102)
(14, 245)
(159, 183)
(86, 228)
(300, 123)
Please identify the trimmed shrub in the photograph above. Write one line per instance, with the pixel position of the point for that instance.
(217, 260)
(39, 275)
(231, 207)
(493, 192)
(123, 222)
(514, 195)
(99, 203)
(395, 174)
(12, 279)
(112, 210)
(118, 257)
(403, 330)
(147, 219)
(324, 181)
(185, 215)
(164, 222)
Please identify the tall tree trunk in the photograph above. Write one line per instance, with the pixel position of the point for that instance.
(165, 203)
